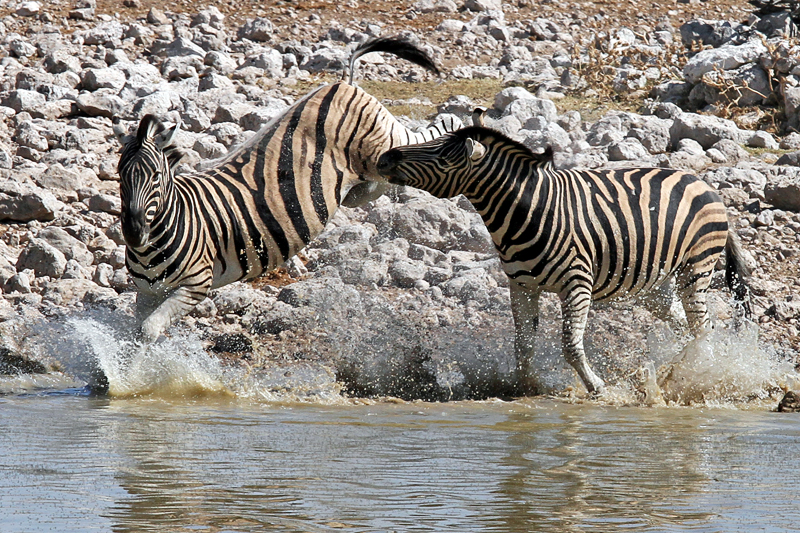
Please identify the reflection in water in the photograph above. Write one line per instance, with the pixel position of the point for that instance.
(633, 473)
(73, 463)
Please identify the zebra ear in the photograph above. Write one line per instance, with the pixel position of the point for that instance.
(168, 137)
(149, 127)
(122, 135)
(477, 116)
(475, 150)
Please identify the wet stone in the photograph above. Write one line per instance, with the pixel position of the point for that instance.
(232, 343)
(790, 403)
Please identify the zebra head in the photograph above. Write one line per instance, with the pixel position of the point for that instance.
(145, 169)
(448, 165)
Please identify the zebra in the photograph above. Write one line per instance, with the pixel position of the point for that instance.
(586, 235)
(258, 207)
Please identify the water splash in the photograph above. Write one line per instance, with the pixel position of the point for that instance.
(176, 366)
(726, 364)
(385, 356)
(99, 349)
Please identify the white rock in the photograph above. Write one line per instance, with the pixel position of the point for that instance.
(24, 100)
(628, 149)
(450, 26)
(103, 78)
(105, 203)
(23, 203)
(43, 258)
(259, 29)
(550, 136)
(29, 9)
(726, 57)
(326, 59)
(762, 139)
(525, 108)
(72, 248)
(483, 5)
(103, 33)
(705, 129)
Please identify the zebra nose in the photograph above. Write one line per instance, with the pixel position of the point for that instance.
(388, 161)
(134, 229)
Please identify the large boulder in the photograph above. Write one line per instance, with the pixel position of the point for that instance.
(43, 258)
(707, 130)
(71, 247)
(435, 223)
(21, 202)
(727, 57)
(784, 193)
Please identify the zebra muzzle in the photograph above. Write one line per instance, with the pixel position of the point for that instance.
(135, 229)
(387, 166)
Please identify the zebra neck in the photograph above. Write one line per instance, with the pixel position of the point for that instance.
(512, 201)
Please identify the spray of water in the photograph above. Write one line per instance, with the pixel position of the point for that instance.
(395, 354)
(726, 364)
(99, 349)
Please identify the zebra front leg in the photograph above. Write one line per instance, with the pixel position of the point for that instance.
(575, 305)
(146, 303)
(525, 309)
(178, 304)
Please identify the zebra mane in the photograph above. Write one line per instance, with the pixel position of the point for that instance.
(478, 133)
(152, 129)
(395, 45)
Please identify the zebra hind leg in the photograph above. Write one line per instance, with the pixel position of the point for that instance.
(692, 288)
(575, 309)
(663, 303)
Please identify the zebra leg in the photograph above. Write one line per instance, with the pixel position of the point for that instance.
(525, 309)
(146, 303)
(575, 303)
(692, 287)
(179, 303)
(661, 301)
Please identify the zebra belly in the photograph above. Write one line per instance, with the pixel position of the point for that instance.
(628, 287)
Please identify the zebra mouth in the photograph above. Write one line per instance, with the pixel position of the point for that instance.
(387, 167)
(135, 230)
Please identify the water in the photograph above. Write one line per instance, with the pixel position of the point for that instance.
(71, 462)
(183, 443)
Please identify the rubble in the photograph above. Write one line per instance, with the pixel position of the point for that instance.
(429, 262)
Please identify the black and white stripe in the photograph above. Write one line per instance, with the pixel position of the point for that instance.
(261, 205)
(592, 235)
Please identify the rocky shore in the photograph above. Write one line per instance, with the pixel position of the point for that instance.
(401, 296)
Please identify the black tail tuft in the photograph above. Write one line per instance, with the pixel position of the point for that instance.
(737, 271)
(397, 46)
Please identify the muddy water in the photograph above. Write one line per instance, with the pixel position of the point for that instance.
(184, 443)
(71, 462)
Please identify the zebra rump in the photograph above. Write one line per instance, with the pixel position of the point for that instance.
(586, 235)
(261, 204)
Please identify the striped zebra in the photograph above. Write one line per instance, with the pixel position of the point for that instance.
(258, 207)
(584, 235)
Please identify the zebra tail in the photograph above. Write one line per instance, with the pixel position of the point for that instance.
(737, 271)
(394, 45)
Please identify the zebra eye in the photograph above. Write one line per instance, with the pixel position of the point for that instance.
(156, 177)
